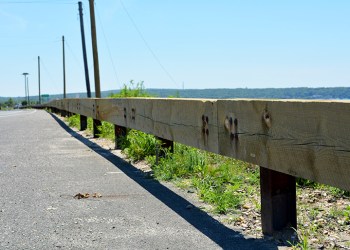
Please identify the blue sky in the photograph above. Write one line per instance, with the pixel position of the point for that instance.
(201, 44)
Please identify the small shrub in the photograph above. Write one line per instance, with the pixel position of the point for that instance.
(346, 214)
(90, 125)
(74, 121)
(132, 90)
(138, 145)
(107, 130)
(182, 164)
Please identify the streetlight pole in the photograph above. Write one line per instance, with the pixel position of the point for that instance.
(25, 86)
(28, 89)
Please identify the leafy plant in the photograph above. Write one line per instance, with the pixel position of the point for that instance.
(106, 130)
(346, 214)
(137, 145)
(74, 121)
(182, 164)
(132, 90)
(301, 182)
(302, 241)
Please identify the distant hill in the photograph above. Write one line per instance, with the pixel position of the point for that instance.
(274, 93)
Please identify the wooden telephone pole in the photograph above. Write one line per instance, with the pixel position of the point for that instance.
(86, 68)
(64, 69)
(97, 123)
(39, 79)
(94, 49)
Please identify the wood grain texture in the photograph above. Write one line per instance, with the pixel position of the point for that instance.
(172, 119)
(309, 139)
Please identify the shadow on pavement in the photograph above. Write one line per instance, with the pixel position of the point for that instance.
(217, 232)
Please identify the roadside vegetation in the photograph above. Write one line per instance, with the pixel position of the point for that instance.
(230, 188)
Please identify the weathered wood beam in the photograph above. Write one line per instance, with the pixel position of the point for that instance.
(170, 119)
(308, 139)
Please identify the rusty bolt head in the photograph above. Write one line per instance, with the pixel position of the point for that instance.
(267, 118)
(227, 124)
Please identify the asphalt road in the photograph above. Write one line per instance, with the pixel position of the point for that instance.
(43, 165)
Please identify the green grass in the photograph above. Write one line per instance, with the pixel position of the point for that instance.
(346, 214)
(74, 121)
(132, 90)
(218, 180)
(107, 130)
(138, 145)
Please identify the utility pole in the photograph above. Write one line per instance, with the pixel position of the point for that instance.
(97, 123)
(94, 49)
(25, 86)
(64, 69)
(39, 79)
(87, 79)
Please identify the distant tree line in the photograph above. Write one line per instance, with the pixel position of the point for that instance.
(340, 93)
(274, 93)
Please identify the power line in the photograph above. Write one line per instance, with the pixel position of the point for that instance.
(38, 1)
(109, 51)
(147, 45)
(28, 44)
(48, 73)
(74, 56)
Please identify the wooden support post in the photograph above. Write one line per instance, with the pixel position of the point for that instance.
(165, 144)
(63, 113)
(119, 132)
(96, 125)
(83, 122)
(278, 201)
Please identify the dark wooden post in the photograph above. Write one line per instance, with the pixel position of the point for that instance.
(63, 113)
(83, 122)
(165, 144)
(96, 124)
(278, 201)
(119, 131)
(86, 68)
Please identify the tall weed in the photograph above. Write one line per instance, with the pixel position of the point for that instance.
(107, 130)
(74, 121)
(138, 145)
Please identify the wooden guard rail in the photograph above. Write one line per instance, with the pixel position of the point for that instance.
(287, 138)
